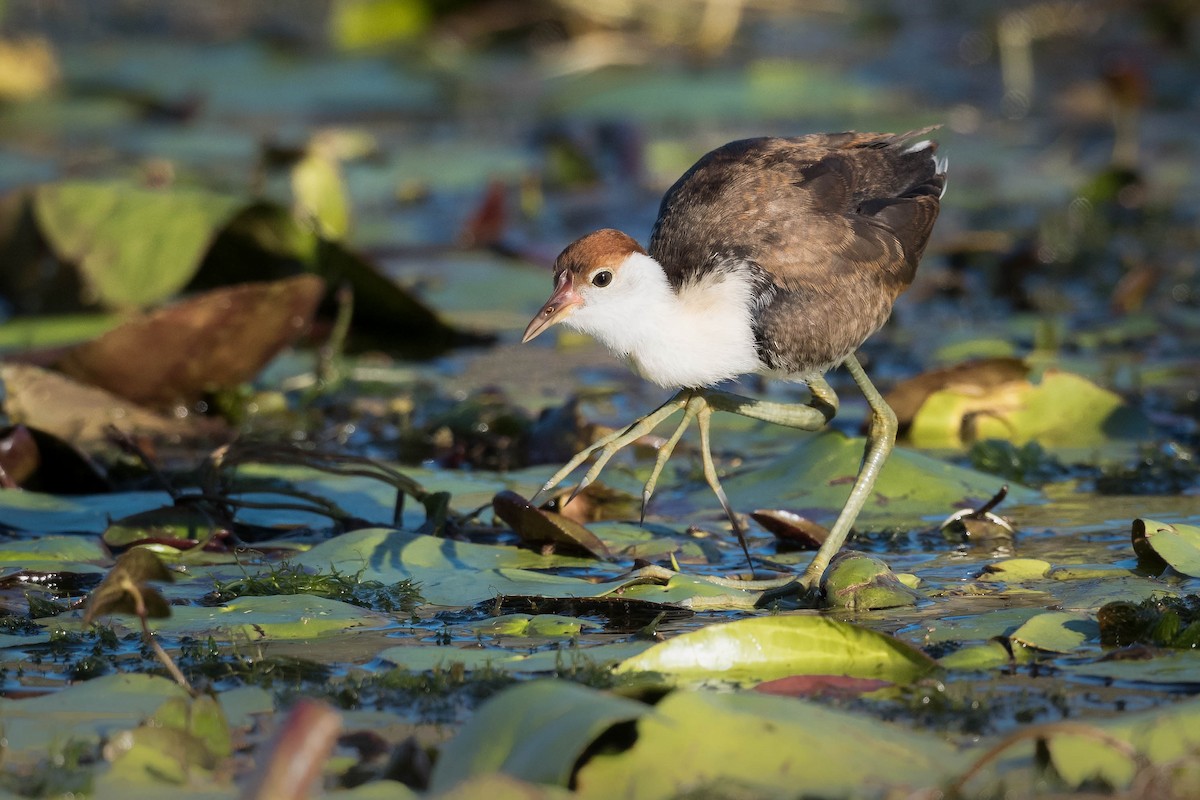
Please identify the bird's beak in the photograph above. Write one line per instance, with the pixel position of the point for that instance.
(557, 308)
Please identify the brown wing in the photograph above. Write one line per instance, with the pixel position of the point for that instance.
(832, 225)
(805, 210)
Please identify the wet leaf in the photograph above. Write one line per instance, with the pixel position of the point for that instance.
(534, 731)
(533, 625)
(1158, 544)
(212, 341)
(763, 648)
(794, 529)
(423, 658)
(820, 685)
(764, 746)
(538, 527)
(1056, 632)
(978, 657)
(859, 582)
(298, 616)
(973, 377)
(133, 246)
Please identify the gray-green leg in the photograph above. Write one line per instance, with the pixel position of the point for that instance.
(881, 438)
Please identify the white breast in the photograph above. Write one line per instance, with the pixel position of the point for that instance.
(701, 336)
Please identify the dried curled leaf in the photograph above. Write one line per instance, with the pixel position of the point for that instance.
(538, 527)
(125, 589)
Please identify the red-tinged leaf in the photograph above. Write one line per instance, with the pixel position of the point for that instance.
(296, 757)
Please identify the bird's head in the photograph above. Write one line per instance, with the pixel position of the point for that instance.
(597, 281)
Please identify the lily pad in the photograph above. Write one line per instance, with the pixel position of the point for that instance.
(1160, 543)
(535, 731)
(1057, 632)
(764, 648)
(298, 616)
(764, 746)
(1062, 410)
(818, 473)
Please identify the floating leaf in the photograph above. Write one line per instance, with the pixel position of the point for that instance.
(793, 529)
(133, 246)
(818, 472)
(1063, 409)
(1056, 631)
(1016, 570)
(125, 589)
(212, 341)
(763, 648)
(764, 746)
(859, 582)
(535, 731)
(978, 657)
(1158, 543)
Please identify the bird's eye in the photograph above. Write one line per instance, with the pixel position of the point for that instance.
(602, 278)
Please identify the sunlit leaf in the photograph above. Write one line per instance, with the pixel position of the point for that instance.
(1177, 545)
(1063, 409)
(320, 195)
(860, 582)
(1057, 631)
(763, 648)
(133, 246)
(764, 746)
(534, 731)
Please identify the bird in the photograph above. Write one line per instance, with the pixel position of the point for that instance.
(776, 256)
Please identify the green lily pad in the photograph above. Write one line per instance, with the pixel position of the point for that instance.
(977, 657)
(860, 582)
(53, 554)
(764, 648)
(133, 246)
(1180, 668)
(297, 616)
(1057, 632)
(1177, 545)
(1162, 735)
(1016, 570)
(535, 731)
(1062, 410)
(819, 471)
(764, 746)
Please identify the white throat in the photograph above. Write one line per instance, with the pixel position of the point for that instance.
(698, 337)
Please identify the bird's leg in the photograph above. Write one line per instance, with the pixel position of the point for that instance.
(880, 439)
(703, 414)
(610, 444)
(664, 453)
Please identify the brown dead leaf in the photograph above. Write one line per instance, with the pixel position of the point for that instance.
(538, 527)
(81, 414)
(214, 340)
